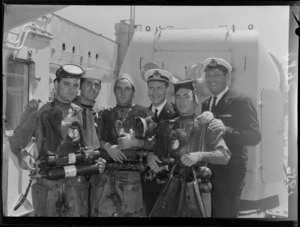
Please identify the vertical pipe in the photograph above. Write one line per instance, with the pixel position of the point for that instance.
(133, 17)
(130, 26)
(132, 22)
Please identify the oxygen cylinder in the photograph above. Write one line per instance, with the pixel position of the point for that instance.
(205, 186)
(204, 173)
(70, 171)
(71, 158)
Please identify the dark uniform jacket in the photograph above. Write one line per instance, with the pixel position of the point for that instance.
(151, 189)
(168, 112)
(236, 111)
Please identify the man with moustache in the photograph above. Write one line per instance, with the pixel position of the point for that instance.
(236, 117)
(56, 128)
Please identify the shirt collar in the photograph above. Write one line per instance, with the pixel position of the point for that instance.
(160, 107)
(78, 100)
(219, 96)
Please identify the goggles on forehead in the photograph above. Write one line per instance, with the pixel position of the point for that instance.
(70, 71)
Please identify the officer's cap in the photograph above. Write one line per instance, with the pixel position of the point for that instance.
(92, 73)
(188, 84)
(124, 76)
(158, 75)
(69, 71)
(216, 63)
(146, 67)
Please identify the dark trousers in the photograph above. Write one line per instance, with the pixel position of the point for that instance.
(151, 191)
(225, 202)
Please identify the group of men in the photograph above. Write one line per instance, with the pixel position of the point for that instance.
(125, 193)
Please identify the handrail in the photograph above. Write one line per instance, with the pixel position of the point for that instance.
(25, 36)
(20, 34)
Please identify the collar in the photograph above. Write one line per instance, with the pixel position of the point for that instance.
(160, 107)
(87, 106)
(123, 107)
(219, 96)
(62, 104)
(78, 99)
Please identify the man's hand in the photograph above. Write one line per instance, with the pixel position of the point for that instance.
(116, 154)
(152, 160)
(101, 164)
(191, 158)
(205, 117)
(32, 104)
(127, 141)
(26, 160)
(88, 151)
(217, 125)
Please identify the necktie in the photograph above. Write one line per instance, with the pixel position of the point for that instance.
(213, 106)
(156, 115)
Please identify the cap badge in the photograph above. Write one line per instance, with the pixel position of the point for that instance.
(213, 63)
(156, 74)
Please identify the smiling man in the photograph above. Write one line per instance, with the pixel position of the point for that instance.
(90, 87)
(236, 117)
(158, 81)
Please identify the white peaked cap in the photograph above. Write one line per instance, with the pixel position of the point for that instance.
(216, 63)
(92, 73)
(158, 75)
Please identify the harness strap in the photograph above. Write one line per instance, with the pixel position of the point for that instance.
(162, 192)
(198, 195)
(84, 118)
